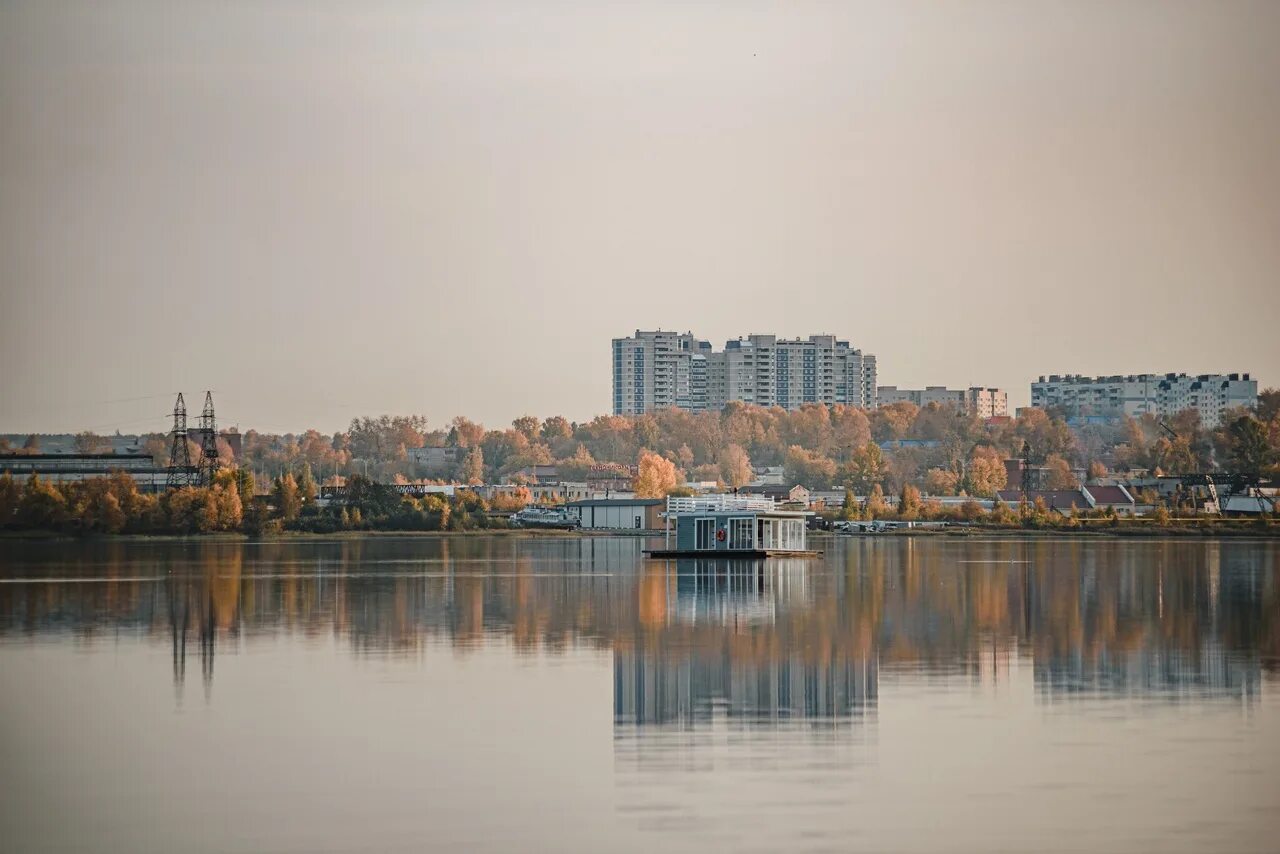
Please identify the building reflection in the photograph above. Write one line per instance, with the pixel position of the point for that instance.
(729, 638)
(1162, 620)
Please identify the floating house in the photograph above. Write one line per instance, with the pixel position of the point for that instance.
(732, 526)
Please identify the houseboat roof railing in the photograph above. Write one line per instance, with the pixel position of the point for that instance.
(719, 503)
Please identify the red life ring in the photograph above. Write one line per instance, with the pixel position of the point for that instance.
(720, 535)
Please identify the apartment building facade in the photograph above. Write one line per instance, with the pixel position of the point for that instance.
(653, 370)
(656, 370)
(1162, 395)
(981, 401)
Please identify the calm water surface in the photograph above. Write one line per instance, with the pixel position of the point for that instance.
(566, 694)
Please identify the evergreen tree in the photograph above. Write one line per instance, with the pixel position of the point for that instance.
(849, 510)
(473, 466)
(286, 498)
(307, 489)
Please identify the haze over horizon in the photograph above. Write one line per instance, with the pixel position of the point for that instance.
(328, 210)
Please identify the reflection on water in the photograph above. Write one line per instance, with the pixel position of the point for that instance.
(840, 698)
(752, 639)
(728, 639)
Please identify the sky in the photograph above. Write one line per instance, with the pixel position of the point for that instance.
(321, 210)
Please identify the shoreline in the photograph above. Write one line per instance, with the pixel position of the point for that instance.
(1122, 532)
(1213, 530)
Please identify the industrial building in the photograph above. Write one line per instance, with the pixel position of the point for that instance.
(1162, 395)
(65, 468)
(656, 370)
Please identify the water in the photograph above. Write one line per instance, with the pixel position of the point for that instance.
(565, 694)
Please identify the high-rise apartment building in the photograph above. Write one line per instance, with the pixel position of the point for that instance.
(652, 370)
(1162, 395)
(655, 370)
(983, 402)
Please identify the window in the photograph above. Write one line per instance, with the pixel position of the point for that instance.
(704, 534)
(740, 533)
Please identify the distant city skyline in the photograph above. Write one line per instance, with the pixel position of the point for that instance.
(322, 212)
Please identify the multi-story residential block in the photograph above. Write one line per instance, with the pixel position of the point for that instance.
(983, 402)
(1161, 395)
(653, 370)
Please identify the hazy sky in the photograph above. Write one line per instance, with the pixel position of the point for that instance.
(321, 210)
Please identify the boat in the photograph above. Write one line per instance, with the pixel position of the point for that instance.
(732, 526)
(544, 517)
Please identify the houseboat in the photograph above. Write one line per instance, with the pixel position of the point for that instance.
(732, 526)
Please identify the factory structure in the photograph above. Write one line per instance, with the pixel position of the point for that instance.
(131, 459)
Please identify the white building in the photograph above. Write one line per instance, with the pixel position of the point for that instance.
(652, 370)
(1162, 395)
(983, 402)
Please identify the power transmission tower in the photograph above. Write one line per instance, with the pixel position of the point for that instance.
(181, 471)
(208, 442)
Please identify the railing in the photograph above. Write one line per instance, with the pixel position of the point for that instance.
(677, 505)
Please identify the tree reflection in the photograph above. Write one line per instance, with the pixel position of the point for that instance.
(1158, 619)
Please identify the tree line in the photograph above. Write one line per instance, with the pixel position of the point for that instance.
(934, 451)
(936, 448)
(231, 504)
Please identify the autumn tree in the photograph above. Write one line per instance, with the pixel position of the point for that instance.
(10, 497)
(655, 476)
(850, 430)
(909, 505)
(556, 429)
(464, 433)
(1058, 474)
(473, 466)
(876, 507)
(307, 490)
(577, 466)
(42, 505)
(286, 497)
(866, 468)
(1268, 408)
(512, 500)
(527, 426)
(849, 509)
(892, 422)
(1173, 456)
(986, 474)
(940, 481)
(735, 467)
(808, 468)
(1247, 447)
(245, 485)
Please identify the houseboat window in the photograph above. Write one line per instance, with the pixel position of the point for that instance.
(704, 533)
(740, 531)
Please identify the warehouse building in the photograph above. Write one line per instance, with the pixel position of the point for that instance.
(617, 514)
